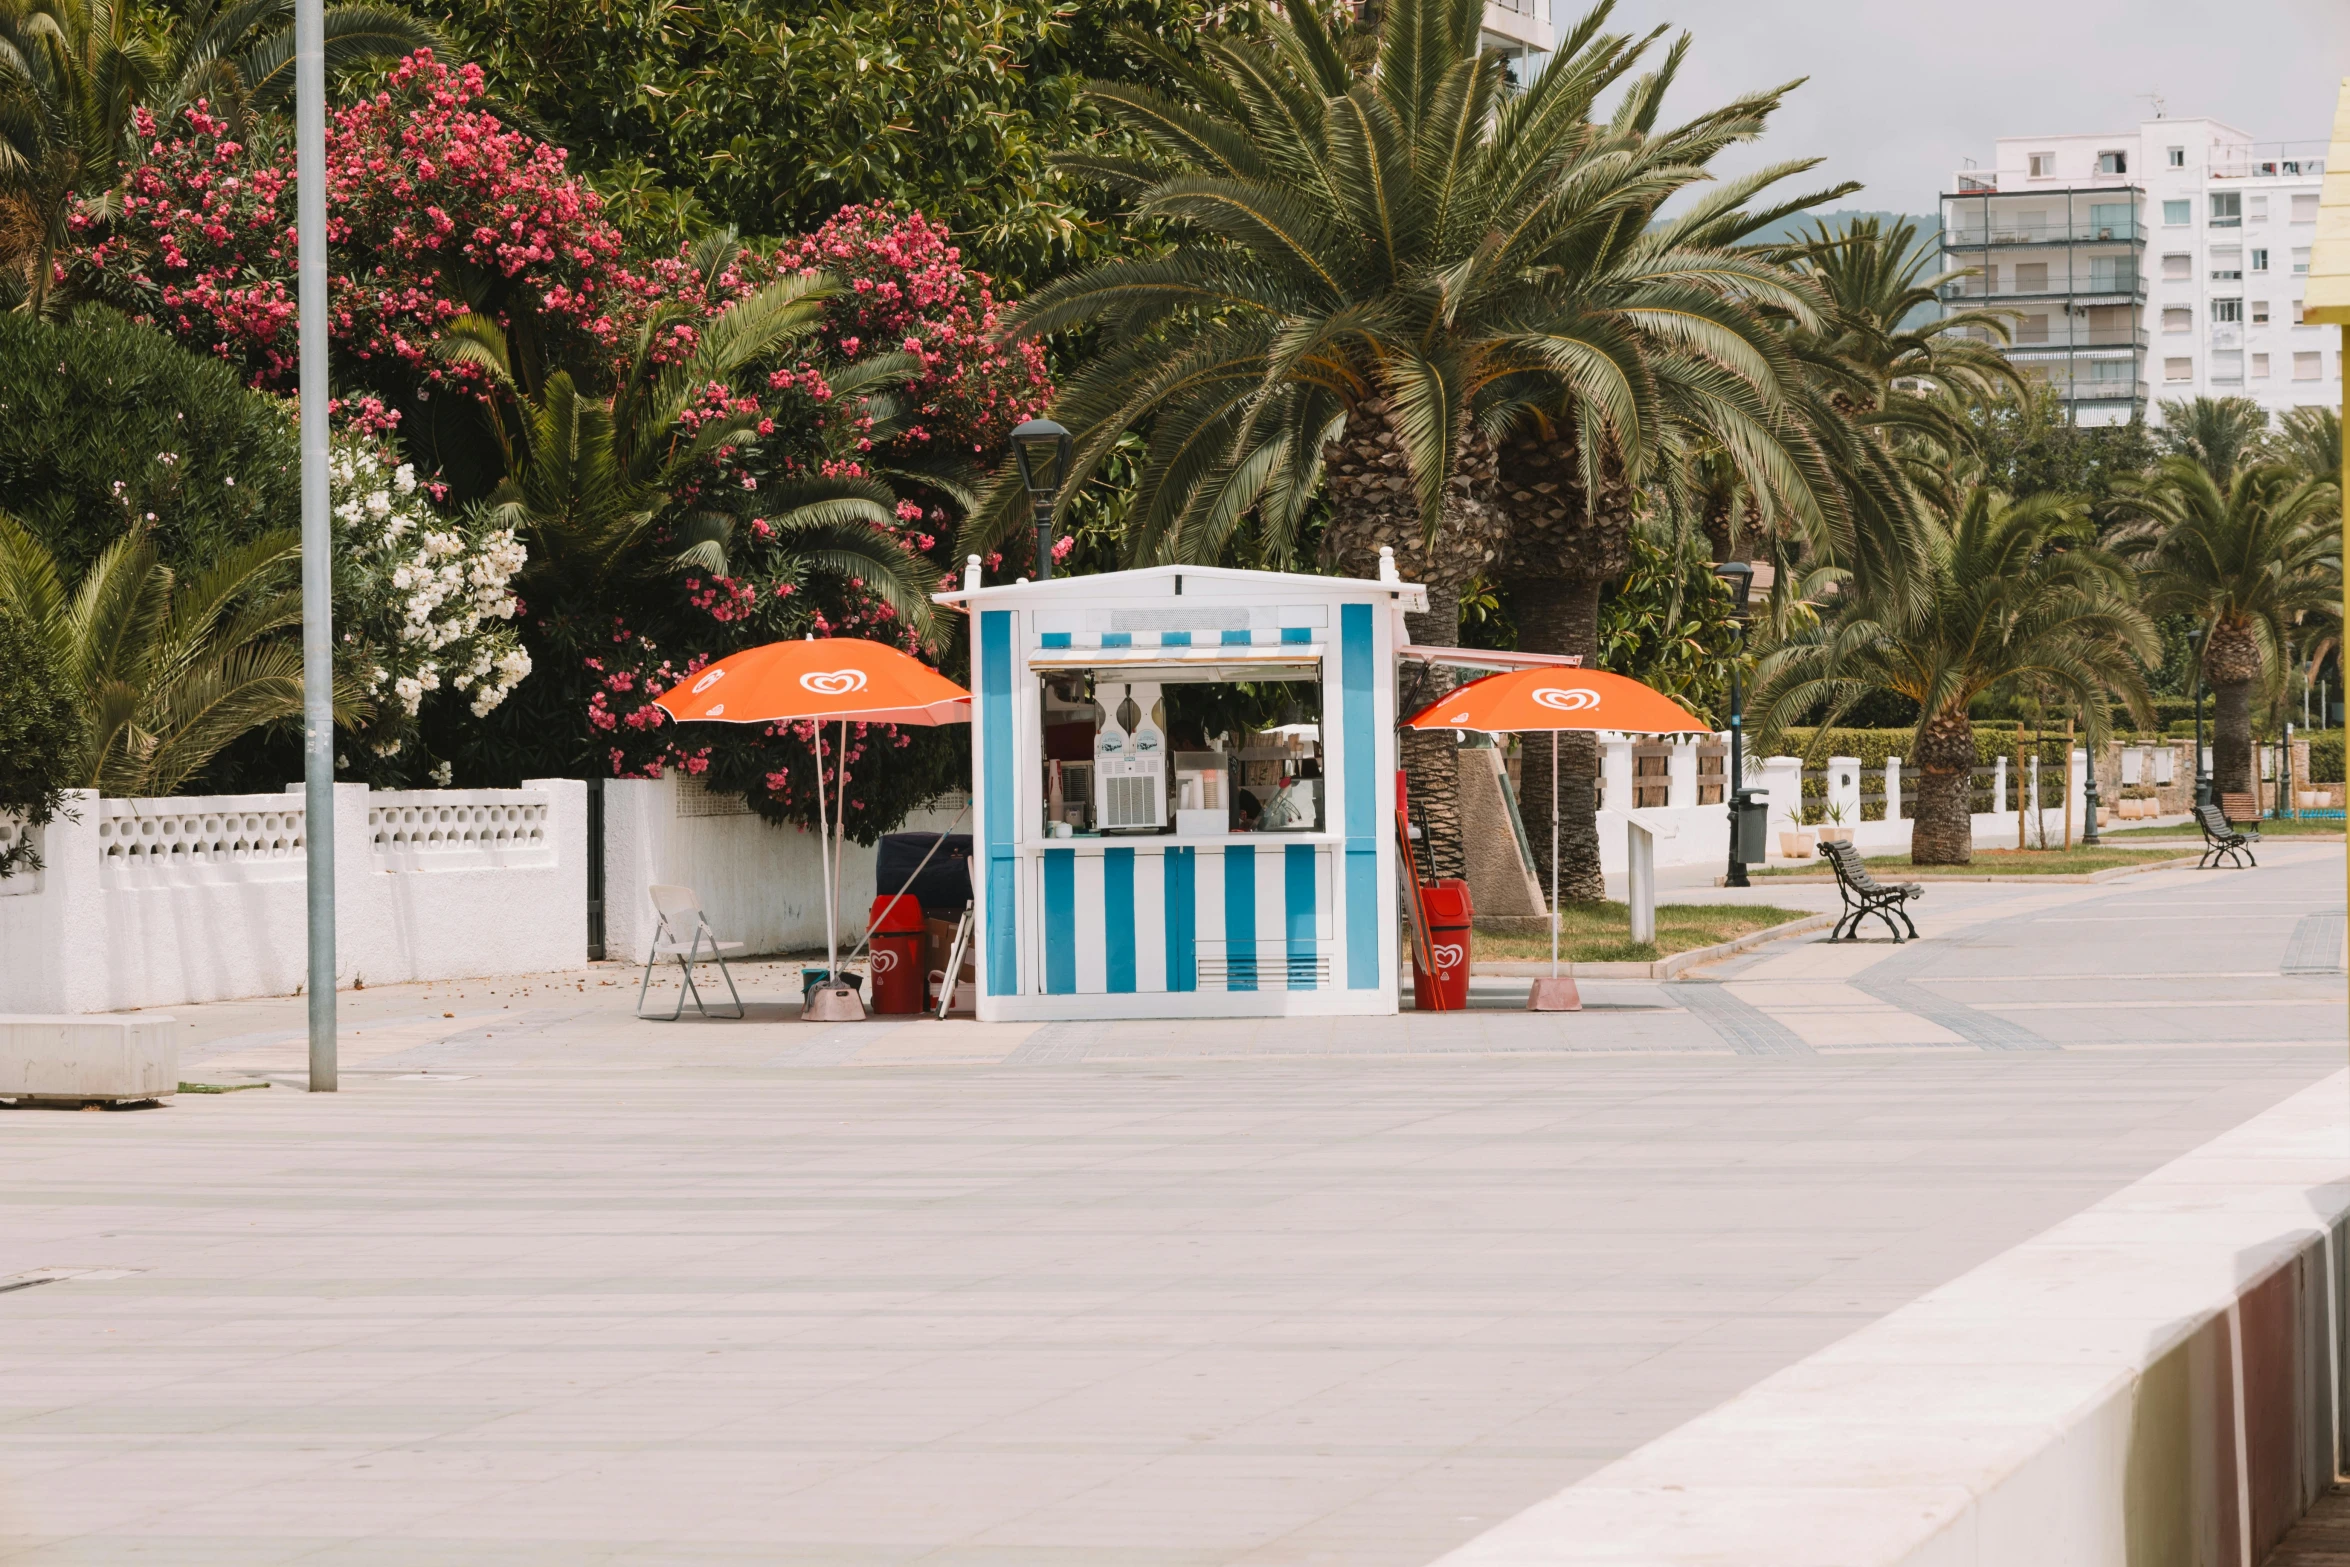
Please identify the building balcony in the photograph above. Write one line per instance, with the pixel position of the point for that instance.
(2072, 335)
(2016, 232)
(2102, 288)
(1518, 25)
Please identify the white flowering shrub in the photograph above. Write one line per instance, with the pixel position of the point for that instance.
(424, 597)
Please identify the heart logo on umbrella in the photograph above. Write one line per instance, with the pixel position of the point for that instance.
(1449, 957)
(707, 681)
(717, 710)
(1565, 701)
(838, 682)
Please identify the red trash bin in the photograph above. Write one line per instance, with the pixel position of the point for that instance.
(1447, 906)
(896, 923)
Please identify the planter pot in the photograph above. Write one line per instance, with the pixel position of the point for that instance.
(1835, 835)
(2313, 799)
(1795, 845)
(2105, 816)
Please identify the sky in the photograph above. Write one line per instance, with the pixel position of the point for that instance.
(1900, 92)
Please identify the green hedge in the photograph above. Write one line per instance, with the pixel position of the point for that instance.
(40, 734)
(104, 423)
(2325, 757)
(1993, 738)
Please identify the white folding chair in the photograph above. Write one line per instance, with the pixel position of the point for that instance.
(683, 933)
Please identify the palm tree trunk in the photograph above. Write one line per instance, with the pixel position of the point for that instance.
(1563, 551)
(1373, 504)
(1561, 615)
(2231, 664)
(1942, 828)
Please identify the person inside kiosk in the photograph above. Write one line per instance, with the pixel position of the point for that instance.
(1168, 752)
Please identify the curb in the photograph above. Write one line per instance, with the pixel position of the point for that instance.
(2087, 878)
(1662, 968)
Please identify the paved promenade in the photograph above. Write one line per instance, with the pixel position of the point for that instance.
(548, 1285)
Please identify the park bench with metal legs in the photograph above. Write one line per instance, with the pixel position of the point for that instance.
(683, 933)
(2221, 841)
(1865, 895)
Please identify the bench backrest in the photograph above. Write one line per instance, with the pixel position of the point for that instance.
(2239, 807)
(2214, 820)
(1849, 865)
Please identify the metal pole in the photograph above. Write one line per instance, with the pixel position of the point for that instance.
(1044, 539)
(1737, 874)
(824, 852)
(1554, 854)
(318, 714)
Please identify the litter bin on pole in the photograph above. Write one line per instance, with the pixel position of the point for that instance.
(1447, 903)
(896, 926)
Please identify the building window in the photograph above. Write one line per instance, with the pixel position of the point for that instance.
(2227, 263)
(2230, 311)
(2177, 269)
(2178, 318)
(2031, 277)
(2043, 165)
(2305, 209)
(2227, 368)
(2110, 370)
(2112, 324)
(2300, 260)
(2259, 258)
(2260, 367)
(2031, 329)
(2227, 210)
(2259, 210)
(2307, 367)
(2183, 369)
(2112, 220)
(2177, 214)
(2297, 313)
(2260, 312)
(2113, 163)
(2177, 156)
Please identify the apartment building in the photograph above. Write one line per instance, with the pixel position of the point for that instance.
(1521, 30)
(2164, 262)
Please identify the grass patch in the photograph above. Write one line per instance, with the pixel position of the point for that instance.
(218, 1088)
(1599, 932)
(1994, 862)
(2268, 829)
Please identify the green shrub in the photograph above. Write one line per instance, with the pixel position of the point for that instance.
(40, 735)
(2325, 757)
(103, 422)
(1993, 738)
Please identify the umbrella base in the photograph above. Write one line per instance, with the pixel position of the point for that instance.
(833, 1003)
(1554, 994)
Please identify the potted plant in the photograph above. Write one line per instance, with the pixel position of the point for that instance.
(1794, 842)
(1835, 831)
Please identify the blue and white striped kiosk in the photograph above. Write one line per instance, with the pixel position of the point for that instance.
(1154, 906)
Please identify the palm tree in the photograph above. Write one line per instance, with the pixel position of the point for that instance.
(2219, 433)
(2008, 592)
(594, 482)
(72, 73)
(1381, 259)
(2248, 561)
(2309, 442)
(165, 670)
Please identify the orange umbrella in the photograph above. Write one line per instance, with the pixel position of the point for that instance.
(1548, 699)
(832, 678)
(1521, 700)
(812, 682)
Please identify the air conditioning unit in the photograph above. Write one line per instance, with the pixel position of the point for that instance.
(1130, 759)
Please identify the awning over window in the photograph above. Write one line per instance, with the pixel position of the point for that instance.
(1487, 658)
(1193, 665)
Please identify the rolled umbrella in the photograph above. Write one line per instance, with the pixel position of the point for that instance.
(818, 681)
(1549, 701)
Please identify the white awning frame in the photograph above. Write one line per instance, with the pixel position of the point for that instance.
(1487, 658)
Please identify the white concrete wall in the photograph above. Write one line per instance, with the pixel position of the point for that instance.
(2156, 1380)
(145, 903)
(760, 885)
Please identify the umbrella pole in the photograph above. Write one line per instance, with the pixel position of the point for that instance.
(824, 853)
(840, 830)
(1554, 854)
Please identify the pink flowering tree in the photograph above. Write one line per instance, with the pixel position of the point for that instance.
(809, 479)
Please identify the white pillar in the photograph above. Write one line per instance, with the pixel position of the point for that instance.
(1615, 775)
(1892, 790)
(2076, 791)
(1681, 775)
(1999, 786)
(1640, 865)
(1781, 780)
(1844, 789)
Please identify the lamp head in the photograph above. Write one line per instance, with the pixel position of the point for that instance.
(1043, 449)
(1739, 575)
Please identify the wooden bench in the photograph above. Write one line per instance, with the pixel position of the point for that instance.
(2243, 813)
(1864, 894)
(2221, 840)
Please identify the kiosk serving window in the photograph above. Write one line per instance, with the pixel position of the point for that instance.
(1207, 747)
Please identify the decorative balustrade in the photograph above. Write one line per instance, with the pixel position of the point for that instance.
(208, 832)
(451, 826)
(13, 833)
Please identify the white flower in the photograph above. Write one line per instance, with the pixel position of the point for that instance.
(404, 478)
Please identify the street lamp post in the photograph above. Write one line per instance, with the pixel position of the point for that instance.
(1043, 449)
(1740, 576)
(318, 714)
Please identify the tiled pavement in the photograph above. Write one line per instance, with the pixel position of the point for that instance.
(544, 1284)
